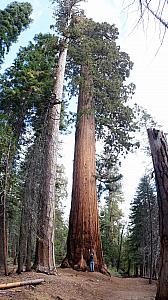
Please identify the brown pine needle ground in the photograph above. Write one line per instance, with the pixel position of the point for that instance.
(73, 285)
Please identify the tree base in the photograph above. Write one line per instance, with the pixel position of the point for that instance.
(65, 263)
(45, 270)
(104, 271)
(82, 266)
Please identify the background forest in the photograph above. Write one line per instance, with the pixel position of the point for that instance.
(95, 76)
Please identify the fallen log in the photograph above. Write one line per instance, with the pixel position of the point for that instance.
(20, 283)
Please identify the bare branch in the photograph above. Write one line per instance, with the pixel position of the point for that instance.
(157, 13)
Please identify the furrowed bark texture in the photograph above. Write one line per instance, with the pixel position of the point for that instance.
(84, 233)
(45, 260)
(29, 214)
(159, 150)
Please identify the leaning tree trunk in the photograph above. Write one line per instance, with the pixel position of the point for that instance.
(84, 233)
(159, 150)
(45, 259)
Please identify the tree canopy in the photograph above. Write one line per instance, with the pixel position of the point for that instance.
(13, 20)
(95, 43)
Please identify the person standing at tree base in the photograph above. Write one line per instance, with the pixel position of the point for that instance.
(92, 262)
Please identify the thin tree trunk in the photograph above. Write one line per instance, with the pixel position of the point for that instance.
(151, 242)
(22, 243)
(141, 270)
(45, 258)
(129, 267)
(14, 240)
(120, 247)
(3, 214)
(3, 235)
(25, 220)
(111, 209)
(84, 232)
(136, 271)
(159, 151)
(29, 249)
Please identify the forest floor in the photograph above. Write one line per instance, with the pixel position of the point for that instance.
(68, 284)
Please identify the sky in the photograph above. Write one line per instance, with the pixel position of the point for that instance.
(142, 41)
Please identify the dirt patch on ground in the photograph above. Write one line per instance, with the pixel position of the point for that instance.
(68, 284)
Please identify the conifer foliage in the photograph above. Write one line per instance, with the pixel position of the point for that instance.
(24, 94)
(144, 230)
(13, 20)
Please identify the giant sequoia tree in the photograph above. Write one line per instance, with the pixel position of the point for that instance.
(100, 70)
(13, 20)
(84, 233)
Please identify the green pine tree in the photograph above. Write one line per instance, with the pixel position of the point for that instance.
(13, 20)
(144, 228)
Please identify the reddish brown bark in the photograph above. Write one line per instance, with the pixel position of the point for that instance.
(84, 233)
(159, 150)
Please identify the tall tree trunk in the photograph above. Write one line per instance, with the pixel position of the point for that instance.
(3, 213)
(141, 270)
(84, 232)
(151, 241)
(159, 151)
(120, 247)
(111, 209)
(22, 240)
(3, 235)
(136, 270)
(29, 214)
(45, 259)
(129, 267)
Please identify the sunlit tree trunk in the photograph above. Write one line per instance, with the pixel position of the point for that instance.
(45, 259)
(84, 232)
(159, 151)
(120, 248)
